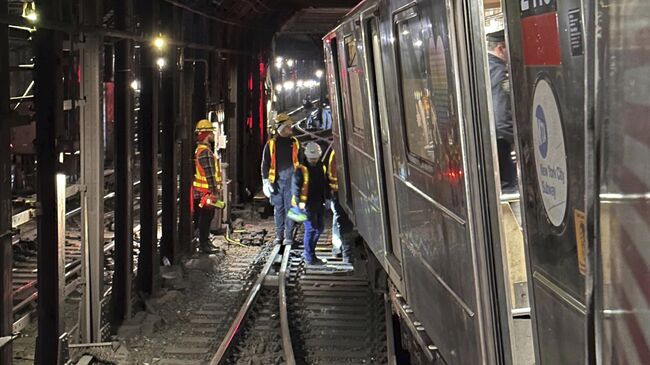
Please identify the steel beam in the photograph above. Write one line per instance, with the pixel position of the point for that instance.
(148, 136)
(122, 277)
(6, 260)
(92, 194)
(92, 180)
(187, 165)
(168, 244)
(48, 76)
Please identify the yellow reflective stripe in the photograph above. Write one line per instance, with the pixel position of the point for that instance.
(304, 193)
(272, 153)
(295, 151)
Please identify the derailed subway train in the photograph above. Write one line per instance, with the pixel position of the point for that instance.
(471, 281)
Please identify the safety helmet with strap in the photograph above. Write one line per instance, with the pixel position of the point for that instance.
(282, 118)
(313, 151)
(204, 125)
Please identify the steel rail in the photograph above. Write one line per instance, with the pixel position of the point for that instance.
(287, 346)
(221, 355)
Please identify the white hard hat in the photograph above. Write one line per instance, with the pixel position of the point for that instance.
(313, 151)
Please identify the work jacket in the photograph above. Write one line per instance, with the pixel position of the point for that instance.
(500, 82)
(280, 154)
(207, 174)
(309, 186)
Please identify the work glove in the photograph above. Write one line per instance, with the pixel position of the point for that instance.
(267, 187)
(302, 205)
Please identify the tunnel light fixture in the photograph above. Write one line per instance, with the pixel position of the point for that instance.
(319, 73)
(288, 85)
(279, 60)
(290, 62)
(135, 85)
(278, 88)
(161, 62)
(300, 83)
(160, 42)
(29, 11)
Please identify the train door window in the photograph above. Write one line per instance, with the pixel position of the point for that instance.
(355, 82)
(430, 126)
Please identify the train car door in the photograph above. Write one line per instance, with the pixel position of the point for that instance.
(381, 142)
(338, 128)
(546, 45)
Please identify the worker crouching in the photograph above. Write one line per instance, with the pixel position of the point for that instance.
(310, 190)
(206, 185)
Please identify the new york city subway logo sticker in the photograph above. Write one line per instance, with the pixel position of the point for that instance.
(550, 151)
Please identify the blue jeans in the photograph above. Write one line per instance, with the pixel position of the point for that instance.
(281, 201)
(313, 228)
(340, 229)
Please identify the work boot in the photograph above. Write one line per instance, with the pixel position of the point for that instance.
(277, 241)
(315, 262)
(207, 248)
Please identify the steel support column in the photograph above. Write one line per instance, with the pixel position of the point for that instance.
(187, 157)
(92, 194)
(6, 259)
(148, 136)
(122, 278)
(48, 76)
(168, 244)
(92, 180)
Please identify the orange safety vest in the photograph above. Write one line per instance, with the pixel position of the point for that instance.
(294, 156)
(332, 174)
(304, 190)
(200, 180)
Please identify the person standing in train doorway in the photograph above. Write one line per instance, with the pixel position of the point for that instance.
(279, 159)
(206, 185)
(500, 82)
(341, 224)
(310, 190)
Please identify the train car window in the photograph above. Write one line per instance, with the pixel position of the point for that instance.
(355, 82)
(419, 113)
(430, 126)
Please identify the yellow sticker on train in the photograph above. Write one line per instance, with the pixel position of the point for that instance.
(580, 222)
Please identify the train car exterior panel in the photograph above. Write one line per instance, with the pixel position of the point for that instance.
(422, 125)
(430, 176)
(549, 96)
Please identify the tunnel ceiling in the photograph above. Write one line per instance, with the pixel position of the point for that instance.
(299, 24)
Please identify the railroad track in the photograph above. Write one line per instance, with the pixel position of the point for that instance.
(297, 314)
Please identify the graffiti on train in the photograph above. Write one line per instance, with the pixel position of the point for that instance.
(550, 152)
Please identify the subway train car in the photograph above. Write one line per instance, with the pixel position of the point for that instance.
(409, 85)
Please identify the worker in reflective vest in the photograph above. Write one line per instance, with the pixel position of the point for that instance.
(310, 190)
(341, 225)
(207, 184)
(279, 159)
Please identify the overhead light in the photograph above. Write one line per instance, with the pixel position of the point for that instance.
(319, 73)
(135, 85)
(418, 43)
(160, 42)
(278, 65)
(29, 11)
(288, 85)
(290, 62)
(278, 88)
(300, 83)
(161, 62)
(279, 59)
